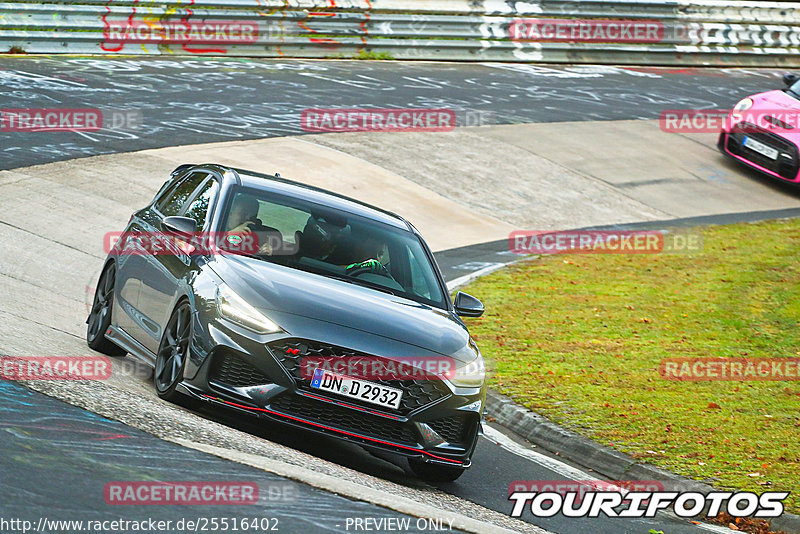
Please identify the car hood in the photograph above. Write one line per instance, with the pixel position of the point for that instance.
(775, 100)
(781, 106)
(286, 294)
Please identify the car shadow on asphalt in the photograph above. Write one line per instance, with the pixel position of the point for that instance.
(324, 447)
(774, 184)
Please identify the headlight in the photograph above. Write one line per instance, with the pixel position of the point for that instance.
(743, 104)
(471, 375)
(234, 308)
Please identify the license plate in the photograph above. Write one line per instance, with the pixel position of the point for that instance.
(355, 388)
(761, 148)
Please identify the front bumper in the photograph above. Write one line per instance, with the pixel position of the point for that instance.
(785, 168)
(436, 425)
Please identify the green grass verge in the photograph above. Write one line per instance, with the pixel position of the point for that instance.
(579, 339)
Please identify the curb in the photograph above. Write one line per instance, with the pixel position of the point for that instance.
(349, 489)
(461, 281)
(599, 458)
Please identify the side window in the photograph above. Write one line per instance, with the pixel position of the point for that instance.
(174, 200)
(198, 209)
(164, 192)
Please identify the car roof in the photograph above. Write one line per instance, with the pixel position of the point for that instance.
(280, 185)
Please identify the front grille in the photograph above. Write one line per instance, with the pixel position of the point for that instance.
(232, 370)
(416, 393)
(454, 429)
(777, 122)
(784, 166)
(344, 418)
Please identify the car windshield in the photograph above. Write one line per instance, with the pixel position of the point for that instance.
(329, 242)
(794, 89)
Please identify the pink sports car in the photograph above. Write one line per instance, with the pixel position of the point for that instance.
(763, 131)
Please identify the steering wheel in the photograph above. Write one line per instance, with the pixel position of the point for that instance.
(361, 270)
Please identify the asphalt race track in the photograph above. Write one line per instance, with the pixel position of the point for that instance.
(62, 454)
(188, 101)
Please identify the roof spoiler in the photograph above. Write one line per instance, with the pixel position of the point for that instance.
(180, 168)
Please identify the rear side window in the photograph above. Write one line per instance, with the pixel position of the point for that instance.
(171, 202)
(198, 209)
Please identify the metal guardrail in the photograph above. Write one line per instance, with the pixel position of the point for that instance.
(658, 32)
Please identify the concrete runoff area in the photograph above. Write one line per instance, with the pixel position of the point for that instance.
(549, 176)
(461, 188)
(130, 180)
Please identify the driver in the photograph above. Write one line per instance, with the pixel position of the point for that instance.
(329, 238)
(372, 249)
(244, 214)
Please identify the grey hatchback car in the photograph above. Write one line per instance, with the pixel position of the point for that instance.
(335, 319)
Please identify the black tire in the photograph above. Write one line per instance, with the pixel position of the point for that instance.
(434, 472)
(173, 353)
(100, 315)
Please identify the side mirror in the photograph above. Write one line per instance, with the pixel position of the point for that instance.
(789, 78)
(467, 306)
(179, 226)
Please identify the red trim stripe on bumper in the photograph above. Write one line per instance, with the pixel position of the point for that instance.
(242, 406)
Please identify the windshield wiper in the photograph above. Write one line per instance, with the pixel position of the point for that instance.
(363, 283)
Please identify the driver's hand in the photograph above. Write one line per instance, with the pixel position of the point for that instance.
(244, 227)
(266, 249)
(372, 266)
